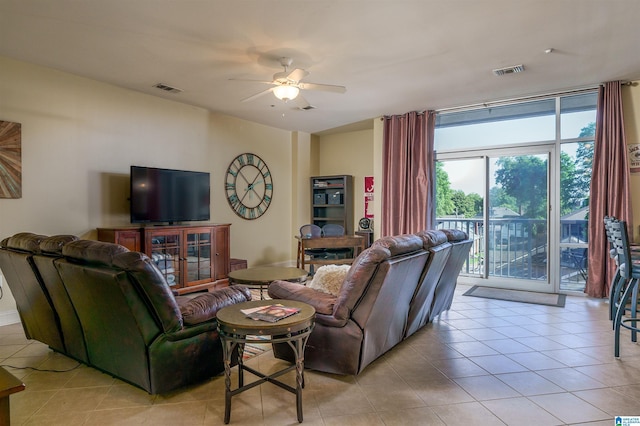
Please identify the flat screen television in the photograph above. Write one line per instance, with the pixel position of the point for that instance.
(165, 195)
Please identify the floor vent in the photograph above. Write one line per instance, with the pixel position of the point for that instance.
(509, 70)
(167, 88)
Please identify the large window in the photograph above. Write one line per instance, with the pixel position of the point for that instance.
(516, 178)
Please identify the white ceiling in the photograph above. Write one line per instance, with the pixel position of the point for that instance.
(393, 56)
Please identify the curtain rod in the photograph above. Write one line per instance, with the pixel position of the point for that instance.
(391, 115)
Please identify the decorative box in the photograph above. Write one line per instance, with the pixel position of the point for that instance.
(335, 198)
(319, 198)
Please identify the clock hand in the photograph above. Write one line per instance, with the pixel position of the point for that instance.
(251, 186)
(243, 176)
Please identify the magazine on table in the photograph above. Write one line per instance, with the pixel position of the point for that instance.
(270, 313)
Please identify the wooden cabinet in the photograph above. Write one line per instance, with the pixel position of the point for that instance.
(128, 237)
(332, 201)
(192, 258)
(221, 255)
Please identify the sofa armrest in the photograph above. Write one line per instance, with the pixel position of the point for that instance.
(204, 307)
(189, 331)
(322, 302)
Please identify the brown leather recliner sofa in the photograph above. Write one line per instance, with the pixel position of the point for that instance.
(387, 295)
(112, 309)
(443, 295)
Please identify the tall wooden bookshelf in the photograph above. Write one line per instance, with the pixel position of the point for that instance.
(332, 201)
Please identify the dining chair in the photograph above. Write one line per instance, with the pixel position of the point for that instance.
(332, 230)
(618, 284)
(310, 230)
(616, 289)
(335, 230)
(630, 273)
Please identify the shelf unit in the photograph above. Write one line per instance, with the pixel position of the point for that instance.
(191, 257)
(332, 201)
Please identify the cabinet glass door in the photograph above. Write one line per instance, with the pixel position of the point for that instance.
(165, 253)
(198, 257)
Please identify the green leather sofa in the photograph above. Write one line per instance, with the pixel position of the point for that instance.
(131, 325)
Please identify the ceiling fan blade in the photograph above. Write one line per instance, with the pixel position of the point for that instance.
(323, 87)
(257, 95)
(302, 103)
(297, 74)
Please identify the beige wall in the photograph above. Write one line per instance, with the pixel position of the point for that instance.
(631, 104)
(267, 240)
(79, 138)
(302, 168)
(348, 153)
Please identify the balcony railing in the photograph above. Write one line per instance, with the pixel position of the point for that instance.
(517, 248)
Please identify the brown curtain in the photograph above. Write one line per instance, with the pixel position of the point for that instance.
(408, 173)
(610, 195)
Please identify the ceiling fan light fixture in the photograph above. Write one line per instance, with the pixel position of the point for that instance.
(286, 92)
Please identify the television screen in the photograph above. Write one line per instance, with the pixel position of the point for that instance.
(164, 195)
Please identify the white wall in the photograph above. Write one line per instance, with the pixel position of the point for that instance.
(79, 138)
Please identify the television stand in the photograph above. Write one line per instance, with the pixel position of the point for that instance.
(191, 257)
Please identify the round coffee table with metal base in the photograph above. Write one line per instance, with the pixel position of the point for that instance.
(236, 329)
(261, 277)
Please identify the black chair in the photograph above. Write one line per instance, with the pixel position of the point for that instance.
(616, 289)
(311, 231)
(618, 284)
(630, 273)
(335, 230)
(332, 230)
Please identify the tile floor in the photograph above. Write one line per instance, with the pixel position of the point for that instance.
(485, 362)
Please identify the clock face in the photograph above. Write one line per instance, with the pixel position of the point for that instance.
(365, 223)
(248, 186)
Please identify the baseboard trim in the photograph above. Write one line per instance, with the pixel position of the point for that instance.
(9, 317)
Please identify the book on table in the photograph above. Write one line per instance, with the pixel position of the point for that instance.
(270, 313)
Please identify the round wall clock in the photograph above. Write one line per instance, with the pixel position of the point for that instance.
(248, 186)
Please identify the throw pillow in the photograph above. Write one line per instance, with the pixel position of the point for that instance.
(329, 278)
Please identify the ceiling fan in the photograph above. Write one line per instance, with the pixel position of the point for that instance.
(287, 85)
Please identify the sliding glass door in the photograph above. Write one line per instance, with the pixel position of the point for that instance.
(501, 199)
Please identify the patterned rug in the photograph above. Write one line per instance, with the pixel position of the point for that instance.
(254, 349)
(251, 350)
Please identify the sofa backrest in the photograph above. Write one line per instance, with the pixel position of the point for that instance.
(440, 249)
(384, 281)
(119, 317)
(38, 316)
(50, 251)
(443, 296)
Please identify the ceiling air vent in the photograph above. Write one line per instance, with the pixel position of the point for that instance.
(167, 88)
(509, 70)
